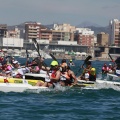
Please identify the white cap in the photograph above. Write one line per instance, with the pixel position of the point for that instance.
(14, 62)
(7, 72)
(110, 64)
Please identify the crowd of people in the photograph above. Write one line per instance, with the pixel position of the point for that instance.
(57, 72)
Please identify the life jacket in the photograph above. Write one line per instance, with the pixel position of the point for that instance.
(105, 68)
(65, 76)
(53, 73)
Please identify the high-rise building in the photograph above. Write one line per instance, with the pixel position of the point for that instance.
(32, 30)
(114, 33)
(63, 32)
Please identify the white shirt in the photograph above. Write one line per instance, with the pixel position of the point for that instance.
(86, 75)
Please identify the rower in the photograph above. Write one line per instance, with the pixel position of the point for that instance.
(54, 76)
(105, 69)
(68, 77)
(111, 69)
(42, 66)
(63, 63)
(18, 71)
(71, 63)
(91, 70)
(34, 67)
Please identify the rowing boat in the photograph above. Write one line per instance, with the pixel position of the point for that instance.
(112, 77)
(32, 82)
(98, 81)
(16, 87)
(31, 79)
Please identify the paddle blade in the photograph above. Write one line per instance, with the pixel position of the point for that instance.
(36, 46)
(27, 53)
(87, 59)
(117, 61)
(53, 57)
(110, 57)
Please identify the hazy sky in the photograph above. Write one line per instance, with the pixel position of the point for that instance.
(74, 12)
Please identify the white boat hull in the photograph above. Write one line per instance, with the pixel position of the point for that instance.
(13, 87)
(112, 77)
(100, 82)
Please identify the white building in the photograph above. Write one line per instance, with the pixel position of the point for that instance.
(85, 31)
(11, 42)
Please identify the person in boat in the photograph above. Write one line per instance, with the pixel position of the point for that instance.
(8, 73)
(111, 69)
(68, 77)
(91, 70)
(18, 71)
(105, 69)
(53, 77)
(42, 66)
(34, 68)
(63, 63)
(71, 63)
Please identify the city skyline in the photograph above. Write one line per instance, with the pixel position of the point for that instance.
(59, 11)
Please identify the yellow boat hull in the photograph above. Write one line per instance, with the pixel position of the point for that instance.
(18, 80)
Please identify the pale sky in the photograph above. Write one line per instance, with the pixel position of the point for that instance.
(74, 12)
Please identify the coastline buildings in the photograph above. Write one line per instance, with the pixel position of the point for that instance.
(60, 37)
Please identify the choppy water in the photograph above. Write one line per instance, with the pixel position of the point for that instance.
(62, 104)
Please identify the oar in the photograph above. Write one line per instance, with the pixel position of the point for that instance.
(36, 46)
(85, 61)
(111, 57)
(27, 53)
(53, 57)
(37, 49)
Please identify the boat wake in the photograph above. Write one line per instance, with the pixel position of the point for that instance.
(57, 87)
(107, 86)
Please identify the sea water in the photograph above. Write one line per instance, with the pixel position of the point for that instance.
(63, 103)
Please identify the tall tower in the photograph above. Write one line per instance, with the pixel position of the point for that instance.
(114, 33)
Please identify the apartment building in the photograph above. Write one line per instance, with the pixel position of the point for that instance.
(3, 30)
(45, 34)
(32, 30)
(13, 33)
(114, 33)
(63, 32)
(102, 39)
(84, 36)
